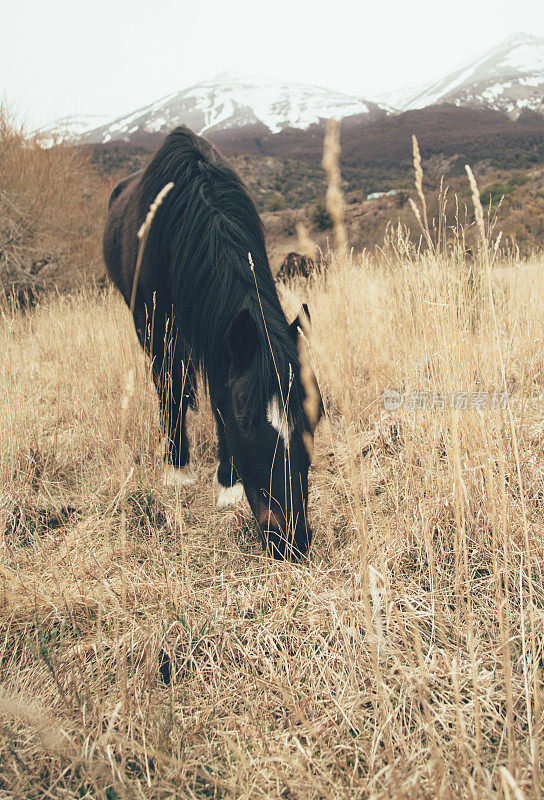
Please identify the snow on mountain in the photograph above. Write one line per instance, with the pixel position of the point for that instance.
(398, 99)
(68, 128)
(228, 102)
(509, 77)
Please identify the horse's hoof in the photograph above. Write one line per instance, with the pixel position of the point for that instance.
(230, 496)
(227, 495)
(182, 476)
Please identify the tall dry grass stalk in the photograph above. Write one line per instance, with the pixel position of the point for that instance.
(334, 198)
(420, 216)
(306, 244)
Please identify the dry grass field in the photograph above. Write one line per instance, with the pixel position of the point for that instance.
(150, 649)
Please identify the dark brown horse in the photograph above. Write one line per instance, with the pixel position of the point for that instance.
(296, 265)
(205, 300)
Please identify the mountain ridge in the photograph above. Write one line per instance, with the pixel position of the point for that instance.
(222, 104)
(508, 77)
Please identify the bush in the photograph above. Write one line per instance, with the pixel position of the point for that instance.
(494, 194)
(496, 191)
(274, 202)
(320, 217)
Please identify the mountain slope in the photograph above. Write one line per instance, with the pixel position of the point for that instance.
(227, 102)
(376, 155)
(509, 78)
(466, 135)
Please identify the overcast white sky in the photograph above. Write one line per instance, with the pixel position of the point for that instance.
(111, 56)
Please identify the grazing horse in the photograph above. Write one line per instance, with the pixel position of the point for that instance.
(205, 300)
(294, 264)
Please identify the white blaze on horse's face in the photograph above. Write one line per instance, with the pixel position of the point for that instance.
(277, 417)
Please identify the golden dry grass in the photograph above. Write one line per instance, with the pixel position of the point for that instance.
(148, 648)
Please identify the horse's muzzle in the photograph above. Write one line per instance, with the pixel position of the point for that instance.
(286, 545)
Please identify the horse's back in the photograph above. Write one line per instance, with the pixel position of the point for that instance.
(122, 185)
(207, 197)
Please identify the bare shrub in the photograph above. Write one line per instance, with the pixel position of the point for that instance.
(52, 205)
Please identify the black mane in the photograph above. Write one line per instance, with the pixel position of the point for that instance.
(210, 225)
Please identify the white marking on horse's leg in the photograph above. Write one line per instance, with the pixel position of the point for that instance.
(227, 495)
(183, 476)
(230, 496)
(278, 419)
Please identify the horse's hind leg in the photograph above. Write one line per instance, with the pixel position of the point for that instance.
(175, 381)
(176, 389)
(227, 484)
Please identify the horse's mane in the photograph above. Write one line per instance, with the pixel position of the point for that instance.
(205, 230)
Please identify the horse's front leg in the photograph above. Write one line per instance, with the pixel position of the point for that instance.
(228, 487)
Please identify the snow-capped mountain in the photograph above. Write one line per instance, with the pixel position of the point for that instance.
(227, 102)
(509, 78)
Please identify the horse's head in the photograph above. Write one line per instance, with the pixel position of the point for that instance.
(271, 448)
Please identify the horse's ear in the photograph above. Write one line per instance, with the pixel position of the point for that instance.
(300, 323)
(243, 338)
